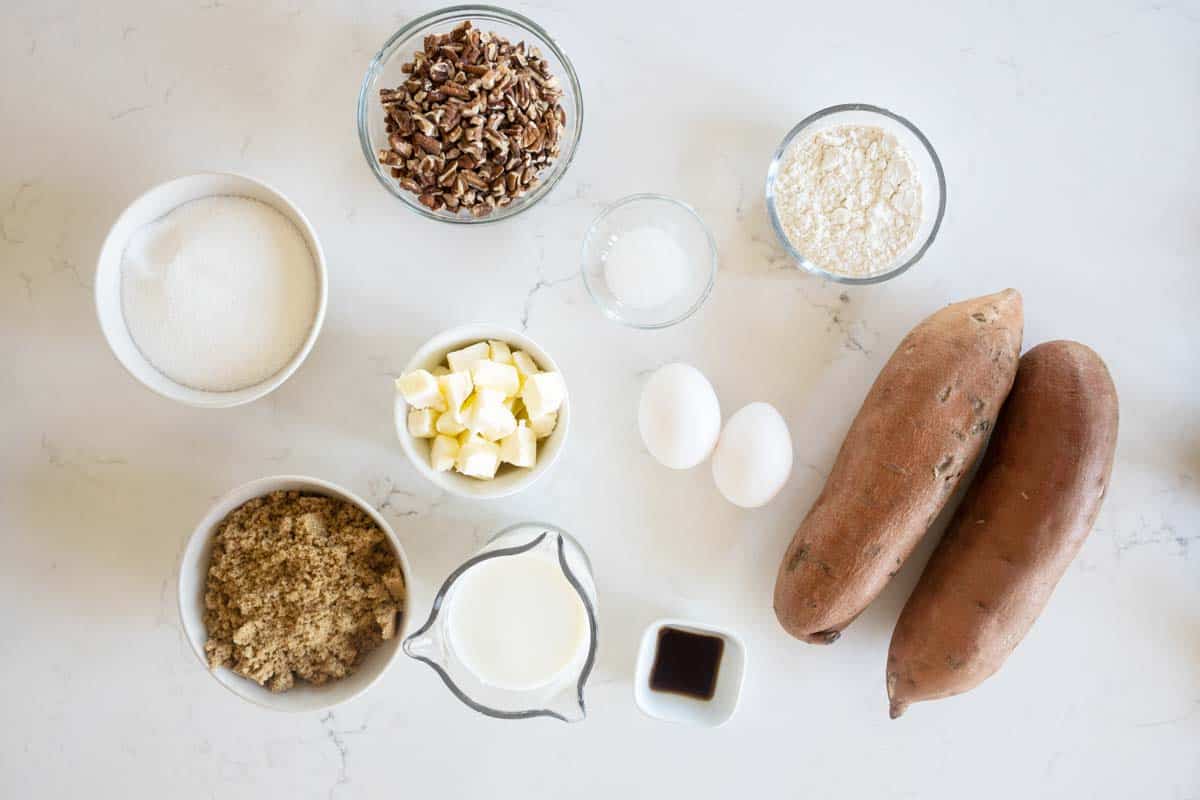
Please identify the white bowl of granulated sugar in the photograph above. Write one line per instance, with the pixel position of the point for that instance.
(211, 289)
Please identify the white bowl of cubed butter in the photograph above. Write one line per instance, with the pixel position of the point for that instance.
(481, 411)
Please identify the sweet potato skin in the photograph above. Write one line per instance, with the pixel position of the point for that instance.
(921, 427)
(1025, 516)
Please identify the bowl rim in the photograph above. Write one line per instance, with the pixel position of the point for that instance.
(462, 485)
(204, 529)
(713, 262)
(772, 212)
(416, 27)
(188, 395)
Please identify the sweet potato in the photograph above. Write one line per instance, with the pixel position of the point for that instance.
(1024, 518)
(921, 427)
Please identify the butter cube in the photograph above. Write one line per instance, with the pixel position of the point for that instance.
(421, 422)
(449, 424)
(499, 352)
(544, 426)
(463, 415)
(443, 453)
(524, 363)
(478, 458)
(494, 375)
(456, 388)
(519, 448)
(420, 390)
(490, 418)
(463, 360)
(439, 371)
(543, 394)
(488, 396)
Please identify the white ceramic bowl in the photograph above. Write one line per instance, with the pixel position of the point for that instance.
(152, 205)
(193, 570)
(509, 480)
(679, 708)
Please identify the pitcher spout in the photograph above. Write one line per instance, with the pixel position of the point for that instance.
(424, 645)
(568, 705)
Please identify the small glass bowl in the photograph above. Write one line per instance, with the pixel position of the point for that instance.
(924, 158)
(689, 231)
(385, 72)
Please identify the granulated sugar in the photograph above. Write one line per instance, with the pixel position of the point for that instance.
(849, 199)
(220, 293)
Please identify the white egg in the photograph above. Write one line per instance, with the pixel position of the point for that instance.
(679, 416)
(753, 458)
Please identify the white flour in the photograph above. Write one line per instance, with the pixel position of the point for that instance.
(220, 293)
(849, 199)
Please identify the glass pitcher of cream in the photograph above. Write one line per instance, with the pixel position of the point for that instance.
(512, 631)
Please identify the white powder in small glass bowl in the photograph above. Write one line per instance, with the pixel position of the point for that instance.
(220, 293)
(849, 199)
(645, 268)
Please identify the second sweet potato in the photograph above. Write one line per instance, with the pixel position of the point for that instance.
(1025, 517)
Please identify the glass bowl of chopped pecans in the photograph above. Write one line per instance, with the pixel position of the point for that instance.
(470, 114)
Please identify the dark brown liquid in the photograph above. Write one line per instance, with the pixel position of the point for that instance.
(686, 663)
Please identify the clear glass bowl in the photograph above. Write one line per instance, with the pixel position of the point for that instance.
(385, 72)
(924, 158)
(685, 226)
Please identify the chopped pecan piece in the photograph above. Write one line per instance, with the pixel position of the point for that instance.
(429, 145)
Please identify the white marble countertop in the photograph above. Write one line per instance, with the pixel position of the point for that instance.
(1069, 141)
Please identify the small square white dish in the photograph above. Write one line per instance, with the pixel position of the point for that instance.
(671, 707)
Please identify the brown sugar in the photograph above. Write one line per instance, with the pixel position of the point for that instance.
(300, 586)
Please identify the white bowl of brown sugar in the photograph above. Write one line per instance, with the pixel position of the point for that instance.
(294, 593)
